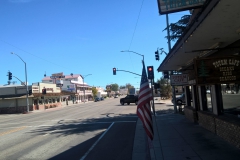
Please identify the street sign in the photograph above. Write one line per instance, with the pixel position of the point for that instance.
(179, 79)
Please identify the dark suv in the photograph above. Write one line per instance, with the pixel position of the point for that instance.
(129, 99)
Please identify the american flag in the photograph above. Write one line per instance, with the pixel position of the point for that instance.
(144, 108)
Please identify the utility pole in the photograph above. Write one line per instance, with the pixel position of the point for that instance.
(169, 48)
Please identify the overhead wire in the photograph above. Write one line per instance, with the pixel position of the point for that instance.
(136, 25)
(134, 32)
(34, 55)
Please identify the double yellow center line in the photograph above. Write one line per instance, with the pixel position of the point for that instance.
(12, 131)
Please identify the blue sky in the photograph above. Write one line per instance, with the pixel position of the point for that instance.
(81, 37)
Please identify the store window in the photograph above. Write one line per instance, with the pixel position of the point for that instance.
(209, 98)
(53, 100)
(230, 97)
(58, 100)
(46, 101)
(40, 101)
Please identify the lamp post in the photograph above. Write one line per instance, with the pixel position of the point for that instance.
(135, 53)
(25, 80)
(151, 80)
(83, 86)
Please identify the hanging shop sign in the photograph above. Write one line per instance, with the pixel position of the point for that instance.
(179, 79)
(217, 70)
(171, 6)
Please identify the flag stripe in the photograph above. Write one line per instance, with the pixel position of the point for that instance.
(144, 108)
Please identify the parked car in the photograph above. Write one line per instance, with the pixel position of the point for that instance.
(231, 92)
(180, 99)
(101, 98)
(116, 96)
(129, 99)
(97, 99)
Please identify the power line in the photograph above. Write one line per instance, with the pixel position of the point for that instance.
(136, 25)
(34, 55)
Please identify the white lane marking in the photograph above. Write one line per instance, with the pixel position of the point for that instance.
(85, 155)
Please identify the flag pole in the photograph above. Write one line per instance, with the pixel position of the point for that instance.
(153, 106)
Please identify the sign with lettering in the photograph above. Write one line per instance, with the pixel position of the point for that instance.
(59, 85)
(218, 70)
(57, 75)
(179, 79)
(171, 6)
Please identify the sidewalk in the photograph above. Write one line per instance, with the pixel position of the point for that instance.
(176, 138)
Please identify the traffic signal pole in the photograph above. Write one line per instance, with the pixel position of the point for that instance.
(153, 106)
(129, 72)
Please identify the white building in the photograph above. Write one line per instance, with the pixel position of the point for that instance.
(101, 92)
(123, 91)
(73, 83)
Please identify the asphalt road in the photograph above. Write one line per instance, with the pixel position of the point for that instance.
(94, 130)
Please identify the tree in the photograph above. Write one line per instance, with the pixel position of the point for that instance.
(128, 86)
(165, 87)
(94, 91)
(122, 87)
(177, 29)
(114, 87)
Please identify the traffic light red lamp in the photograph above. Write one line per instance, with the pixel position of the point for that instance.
(150, 72)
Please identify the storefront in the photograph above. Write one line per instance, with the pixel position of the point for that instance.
(208, 52)
(50, 99)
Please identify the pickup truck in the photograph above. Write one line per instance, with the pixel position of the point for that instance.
(129, 99)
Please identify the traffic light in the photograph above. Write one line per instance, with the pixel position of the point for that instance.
(157, 55)
(114, 71)
(9, 76)
(166, 74)
(44, 91)
(150, 72)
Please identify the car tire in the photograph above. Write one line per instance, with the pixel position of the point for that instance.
(122, 103)
(136, 102)
(128, 103)
(179, 102)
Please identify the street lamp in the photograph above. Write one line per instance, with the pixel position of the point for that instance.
(135, 53)
(151, 79)
(83, 86)
(25, 79)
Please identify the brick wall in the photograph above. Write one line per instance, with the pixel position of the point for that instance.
(229, 129)
(225, 126)
(207, 121)
(190, 113)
